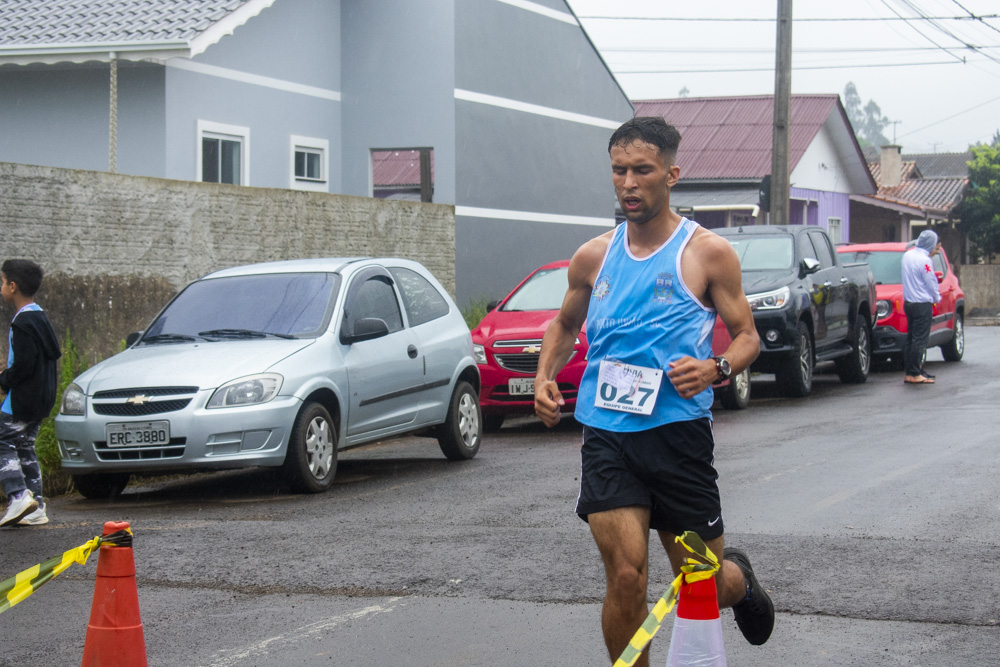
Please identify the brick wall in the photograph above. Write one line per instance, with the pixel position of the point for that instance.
(115, 248)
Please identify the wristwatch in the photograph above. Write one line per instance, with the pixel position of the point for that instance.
(723, 366)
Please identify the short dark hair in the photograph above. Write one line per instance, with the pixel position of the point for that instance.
(651, 130)
(25, 273)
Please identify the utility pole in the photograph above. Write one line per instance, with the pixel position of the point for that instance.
(782, 102)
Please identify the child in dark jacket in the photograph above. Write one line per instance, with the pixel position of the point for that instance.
(29, 382)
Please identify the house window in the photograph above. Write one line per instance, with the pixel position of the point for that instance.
(223, 153)
(310, 164)
(741, 220)
(833, 227)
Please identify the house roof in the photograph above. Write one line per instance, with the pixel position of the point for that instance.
(729, 138)
(935, 165)
(51, 31)
(396, 169)
(932, 196)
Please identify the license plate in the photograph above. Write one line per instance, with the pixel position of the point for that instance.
(521, 386)
(138, 434)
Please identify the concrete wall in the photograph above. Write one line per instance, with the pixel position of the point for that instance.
(115, 248)
(981, 283)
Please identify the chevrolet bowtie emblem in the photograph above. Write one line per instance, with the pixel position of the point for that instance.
(532, 349)
(138, 400)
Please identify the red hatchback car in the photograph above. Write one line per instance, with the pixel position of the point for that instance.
(507, 343)
(889, 335)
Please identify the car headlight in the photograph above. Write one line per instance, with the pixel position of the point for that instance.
(479, 354)
(769, 300)
(250, 390)
(74, 401)
(883, 309)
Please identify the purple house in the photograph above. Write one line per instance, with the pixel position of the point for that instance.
(725, 153)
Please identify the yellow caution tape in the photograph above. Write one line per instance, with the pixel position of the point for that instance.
(691, 572)
(23, 584)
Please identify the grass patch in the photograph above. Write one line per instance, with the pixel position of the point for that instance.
(475, 311)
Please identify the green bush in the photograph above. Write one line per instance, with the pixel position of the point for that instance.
(475, 311)
(55, 481)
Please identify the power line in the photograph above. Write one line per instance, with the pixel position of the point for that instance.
(771, 69)
(890, 7)
(710, 49)
(949, 33)
(796, 20)
(978, 18)
(949, 117)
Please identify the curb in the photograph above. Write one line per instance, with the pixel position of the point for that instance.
(982, 321)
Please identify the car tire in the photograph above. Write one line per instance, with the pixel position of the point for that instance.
(795, 377)
(311, 459)
(736, 395)
(492, 423)
(955, 348)
(855, 367)
(462, 432)
(100, 485)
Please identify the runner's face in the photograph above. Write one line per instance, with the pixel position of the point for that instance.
(642, 180)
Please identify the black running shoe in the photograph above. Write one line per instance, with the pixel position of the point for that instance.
(755, 614)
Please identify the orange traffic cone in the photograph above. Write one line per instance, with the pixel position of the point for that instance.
(114, 634)
(697, 633)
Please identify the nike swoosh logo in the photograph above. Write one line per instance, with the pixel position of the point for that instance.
(712, 523)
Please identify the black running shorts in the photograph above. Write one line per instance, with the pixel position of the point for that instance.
(669, 469)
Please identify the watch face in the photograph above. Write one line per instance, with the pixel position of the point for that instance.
(724, 367)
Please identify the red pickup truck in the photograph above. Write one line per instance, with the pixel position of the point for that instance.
(508, 341)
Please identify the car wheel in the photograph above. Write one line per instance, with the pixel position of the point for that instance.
(955, 348)
(311, 459)
(736, 395)
(101, 485)
(462, 432)
(492, 423)
(796, 376)
(854, 368)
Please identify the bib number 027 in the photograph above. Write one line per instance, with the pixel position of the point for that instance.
(627, 388)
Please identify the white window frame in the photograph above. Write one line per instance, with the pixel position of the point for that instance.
(211, 130)
(832, 223)
(310, 144)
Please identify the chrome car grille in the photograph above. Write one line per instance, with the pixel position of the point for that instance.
(140, 401)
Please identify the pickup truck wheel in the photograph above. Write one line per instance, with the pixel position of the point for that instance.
(955, 348)
(796, 376)
(854, 368)
(736, 395)
(98, 485)
(311, 459)
(460, 435)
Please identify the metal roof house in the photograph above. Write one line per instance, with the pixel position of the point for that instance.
(725, 152)
(506, 104)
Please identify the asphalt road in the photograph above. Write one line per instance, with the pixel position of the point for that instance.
(870, 513)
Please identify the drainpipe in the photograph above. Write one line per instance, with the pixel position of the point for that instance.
(113, 113)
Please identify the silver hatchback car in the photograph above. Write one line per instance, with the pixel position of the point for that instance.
(279, 364)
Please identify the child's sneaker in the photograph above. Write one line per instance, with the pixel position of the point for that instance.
(19, 507)
(36, 518)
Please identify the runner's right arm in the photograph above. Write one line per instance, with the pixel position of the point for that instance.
(561, 334)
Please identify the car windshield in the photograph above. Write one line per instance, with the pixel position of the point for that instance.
(764, 253)
(246, 307)
(886, 266)
(543, 291)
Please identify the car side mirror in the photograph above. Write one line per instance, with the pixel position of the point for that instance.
(492, 305)
(810, 265)
(940, 276)
(367, 328)
(132, 338)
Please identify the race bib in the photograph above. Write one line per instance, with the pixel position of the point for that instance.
(627, 388)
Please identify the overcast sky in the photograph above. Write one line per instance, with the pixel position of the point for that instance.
(940, 107)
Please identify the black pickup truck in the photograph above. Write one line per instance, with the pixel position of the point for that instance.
(808, 306)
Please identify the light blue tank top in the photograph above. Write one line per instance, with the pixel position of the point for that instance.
(642, 313)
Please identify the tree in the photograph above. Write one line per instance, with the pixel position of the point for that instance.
(867, 120)
(980, 209)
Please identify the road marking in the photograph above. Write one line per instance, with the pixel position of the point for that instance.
(231, 657)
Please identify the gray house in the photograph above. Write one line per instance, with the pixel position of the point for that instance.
(507, 100)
